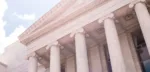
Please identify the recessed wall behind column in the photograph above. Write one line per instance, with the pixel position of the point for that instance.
(130, 57)
(95, 61)
(70, 64)
(96, 58)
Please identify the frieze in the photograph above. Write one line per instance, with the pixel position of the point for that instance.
(39, 22)
(59, 22)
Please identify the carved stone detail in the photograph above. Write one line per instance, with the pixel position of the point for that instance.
(131, 5)
(39, 22)
(45, 28)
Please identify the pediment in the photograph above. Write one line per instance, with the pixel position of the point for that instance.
(63, 12)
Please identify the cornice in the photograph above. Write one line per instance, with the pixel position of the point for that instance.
(28, 37)
(49, 16)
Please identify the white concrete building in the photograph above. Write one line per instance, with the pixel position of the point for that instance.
(91, 36)
(15, 58)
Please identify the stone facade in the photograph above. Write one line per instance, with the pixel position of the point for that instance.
(15, 58)
(91, 36)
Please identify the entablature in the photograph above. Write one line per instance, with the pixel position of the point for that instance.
(51, 20)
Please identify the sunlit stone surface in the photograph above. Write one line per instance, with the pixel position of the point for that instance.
(115, 37)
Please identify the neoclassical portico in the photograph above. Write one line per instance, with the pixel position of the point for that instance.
(73, 41)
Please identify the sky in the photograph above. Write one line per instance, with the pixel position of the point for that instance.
(17, 15)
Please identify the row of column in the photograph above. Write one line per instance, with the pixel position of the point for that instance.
(114, 48)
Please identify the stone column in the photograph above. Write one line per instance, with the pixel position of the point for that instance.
(144, 21)
(114, 48)
(32, 64)
(81, 53)
(55, 65)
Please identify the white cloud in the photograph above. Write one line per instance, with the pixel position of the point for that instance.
(3, 8)
(25, 16)
(11, 38)
(5, 41)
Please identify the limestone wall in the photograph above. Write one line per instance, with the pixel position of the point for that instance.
(96, 61)
(70, 64)
(15, 58)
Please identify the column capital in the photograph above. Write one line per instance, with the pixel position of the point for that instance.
(33, 54)
(132, 4)
(56, 43)
(81, 30)
(111, 15)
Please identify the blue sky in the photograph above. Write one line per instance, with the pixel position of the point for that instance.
(18, 15)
